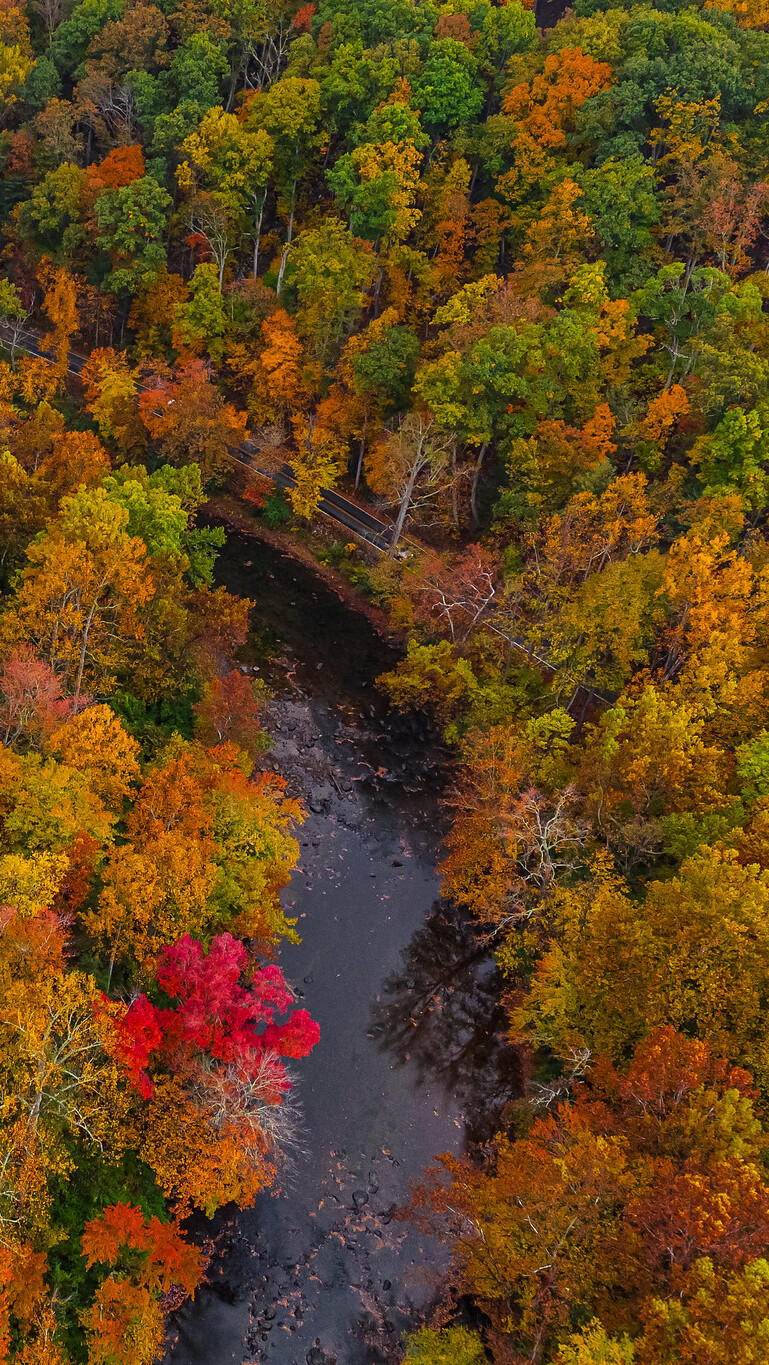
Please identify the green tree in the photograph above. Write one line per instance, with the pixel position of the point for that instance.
(131, 222)
(13, 314)
(448, 91)
(55, 213)
(447, 1346)
(622, 202)
(736, 456)
(329, 273)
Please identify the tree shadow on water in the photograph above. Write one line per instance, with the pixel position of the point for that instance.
(441, 1012)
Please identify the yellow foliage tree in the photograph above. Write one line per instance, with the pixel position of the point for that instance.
(96, 743)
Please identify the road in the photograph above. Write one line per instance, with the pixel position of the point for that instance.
(333, 505)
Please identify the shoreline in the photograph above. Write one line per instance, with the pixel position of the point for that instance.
(230, 511)
(319, 1269)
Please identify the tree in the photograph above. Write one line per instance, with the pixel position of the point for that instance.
(378, 365)
(734, 457)
(154, 311)
(60, 303)
(157, 884)
(214, 229)
(95, 742)
(80, 599)
(32, 701)
(161, 508)
(593, 1346)
(510, 840)
(456, 596)
(56, 1072)
(146, 1257)
(453, 230)
(200, 317)
(448, 1346)
(557, 242)
(317, 460)
(471, 393)
(119, 168)
(431, 676)
(530, 1232)
(289, 112)
(55, 125)
(329, 272)
(717, 1316)
(111, 389)
(377, 182)
(13, 314)
(166, 1258)
(131, 220)
(229, 712)
(717, 607)
(23, 1306)
(49, 806)
(620, 197)
(606, 1207)
(15, 67)
(685, 304)
(713, 903)
(411, 467)
(23, 511)
(206, 850)
(214, 1084)
(76, 458)
(542, 115)
(652, 754)
(29, 887)
(278, 374)
(214, 1015)
(55, 213)
(233, 163)
(448, 91)
(606, 628)
(189, 420)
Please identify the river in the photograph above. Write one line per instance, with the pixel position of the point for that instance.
(411, 1056)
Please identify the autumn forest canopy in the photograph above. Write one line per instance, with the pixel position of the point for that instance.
(507, 286)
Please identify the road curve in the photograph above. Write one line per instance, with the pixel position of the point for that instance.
(333, 505)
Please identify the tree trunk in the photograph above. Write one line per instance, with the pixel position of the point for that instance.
(83, 649)
(376, 294)
(404, 508)
(476, 480)
(359, 468)
(286, 250)
(258, 234)
(234, 83)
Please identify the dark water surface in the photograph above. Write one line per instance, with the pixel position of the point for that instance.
(404, 991)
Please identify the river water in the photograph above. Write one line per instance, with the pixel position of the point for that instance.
(411, 1056)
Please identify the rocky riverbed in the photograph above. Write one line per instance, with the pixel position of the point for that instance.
(405, 993)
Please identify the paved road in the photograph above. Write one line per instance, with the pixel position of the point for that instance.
(333, 505)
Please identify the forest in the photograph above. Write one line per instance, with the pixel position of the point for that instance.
(505, 283)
